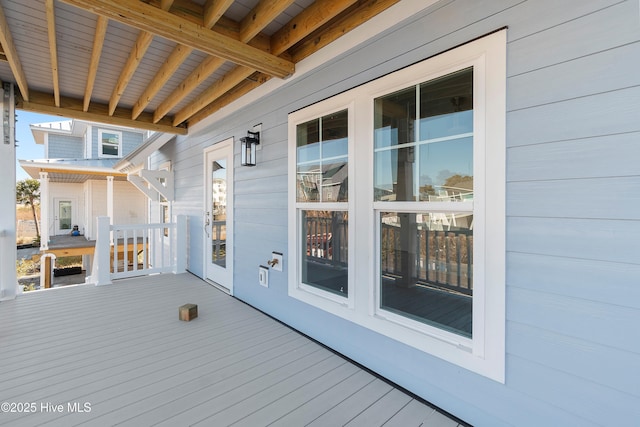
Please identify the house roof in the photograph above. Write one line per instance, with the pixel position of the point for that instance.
(161, 65)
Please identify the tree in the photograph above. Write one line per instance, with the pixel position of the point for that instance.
(27, 193)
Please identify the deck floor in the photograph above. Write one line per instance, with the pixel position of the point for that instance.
(122, 351)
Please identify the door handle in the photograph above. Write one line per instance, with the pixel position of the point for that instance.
(206, 224)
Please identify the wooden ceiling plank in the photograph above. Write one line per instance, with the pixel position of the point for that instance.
(12, 55)
(148, 18)
(216, 90)
(53, 49)
(98, 42)
(213, 10)
(73, 108)
(307, 21)
(261, 16)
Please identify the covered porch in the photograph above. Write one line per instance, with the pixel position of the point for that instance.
(119, 354)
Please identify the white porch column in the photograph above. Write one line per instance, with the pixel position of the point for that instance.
(110, 204)
(44, 211)
(8, 255)
(101, 269)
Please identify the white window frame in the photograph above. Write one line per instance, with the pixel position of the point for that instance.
(326, 300)
(100, 143)
(484, 353)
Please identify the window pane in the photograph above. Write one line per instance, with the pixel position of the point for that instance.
(446, 105)
(446, 170)
(394, 118)
(109, 149)
(219, 212)
(438, 165)
(307, 141)
(335, 176)
(394, 175)
(426, 263)
(322, 159)
(325, 251)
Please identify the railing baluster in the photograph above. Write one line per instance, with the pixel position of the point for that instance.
(135, 250)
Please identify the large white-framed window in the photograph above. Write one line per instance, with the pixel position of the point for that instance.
(427, 206)
(109, 143)
(321, 142)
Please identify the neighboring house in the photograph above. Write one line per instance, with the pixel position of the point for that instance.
(510, 298)
(79, 181)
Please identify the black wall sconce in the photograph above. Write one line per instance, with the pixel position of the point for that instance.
(248, 148)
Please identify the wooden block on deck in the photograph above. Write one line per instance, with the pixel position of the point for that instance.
(188, 312)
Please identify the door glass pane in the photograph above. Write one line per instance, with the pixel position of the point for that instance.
(325, 250)
(64, 215)
(219, 212)
(426, 263)
(322, 159)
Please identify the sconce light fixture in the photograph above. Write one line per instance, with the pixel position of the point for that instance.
(248, 148)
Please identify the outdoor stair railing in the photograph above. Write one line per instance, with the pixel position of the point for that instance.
(138, 249)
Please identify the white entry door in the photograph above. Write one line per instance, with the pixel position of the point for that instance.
(63, 216)
(218, 214)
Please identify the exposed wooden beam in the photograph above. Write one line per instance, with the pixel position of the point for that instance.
(98, 42)
(3, 57)
(251, 25)
(53, 49)
(216, 90)
(170, 65)
(213, 10)
(261, 16)
(12, 55)
(357, 14)
(239, 91)
(135, 57)
(73, 108)
(164, 24)
(197, 76)
(307, 21)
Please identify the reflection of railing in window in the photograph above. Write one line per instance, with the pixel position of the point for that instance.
(444, 260)
(327, 239)
(219, 242)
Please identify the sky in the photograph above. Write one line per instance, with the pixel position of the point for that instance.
(26, 147)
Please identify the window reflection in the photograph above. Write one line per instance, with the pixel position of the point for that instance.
(325, 250)
(430, 159)
(322, 159)
(426, 264)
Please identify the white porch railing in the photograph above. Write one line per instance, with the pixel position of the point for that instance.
(138, 249)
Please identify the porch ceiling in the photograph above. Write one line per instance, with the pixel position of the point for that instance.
(160, 64)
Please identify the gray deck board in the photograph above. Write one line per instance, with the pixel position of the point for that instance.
(122, 349)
